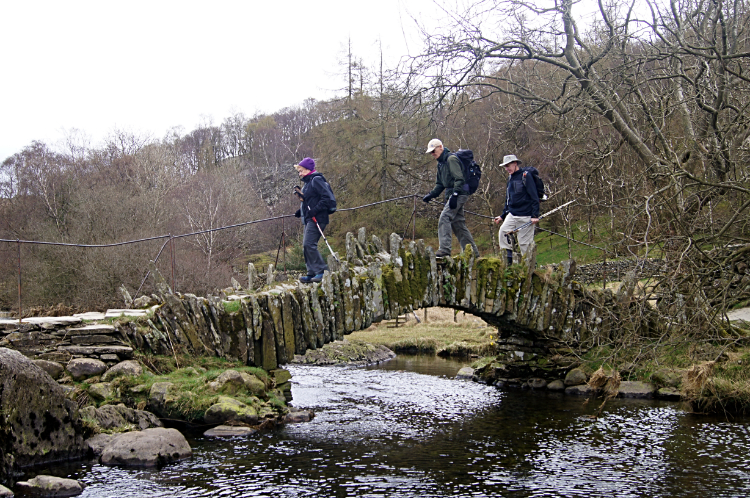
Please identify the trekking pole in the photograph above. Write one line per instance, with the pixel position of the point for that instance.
(324, 238)
(542, 216)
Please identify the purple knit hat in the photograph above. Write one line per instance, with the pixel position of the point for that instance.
(308, 163)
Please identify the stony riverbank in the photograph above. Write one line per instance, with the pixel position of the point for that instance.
(116, 414)
(345, 353)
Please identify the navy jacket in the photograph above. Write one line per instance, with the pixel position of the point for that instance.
(520, 199)
(317, 198)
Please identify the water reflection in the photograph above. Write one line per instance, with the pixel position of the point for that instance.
(393, 431)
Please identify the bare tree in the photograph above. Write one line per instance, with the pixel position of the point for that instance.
(645, 110)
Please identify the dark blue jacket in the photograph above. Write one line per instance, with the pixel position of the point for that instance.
(520, 199)
(317, 198)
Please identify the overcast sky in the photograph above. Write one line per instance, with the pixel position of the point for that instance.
(147, 66)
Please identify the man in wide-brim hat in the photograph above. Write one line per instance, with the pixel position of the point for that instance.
(521, 207)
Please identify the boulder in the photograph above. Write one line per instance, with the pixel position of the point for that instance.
(233, 382)
(537, 383)
(575, 377)
(5, 492)
(281, 375)
(345, 353)
(82, 368)
(556, 385)
(254, 385)
(46, 486)
(114, 417)
(160, 396)
(669, 393)
(227, 409)
(230, 431)
(53, 368)
(101, 391)
(148, 448)
(129, 368)
(296, 416)
(144, 302)
(39, 425)
(634, 389)
(465, 373)
(98, 442)
(579, 390)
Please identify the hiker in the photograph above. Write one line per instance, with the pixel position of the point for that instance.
(450, 178)
(316, 199)
(521, 206)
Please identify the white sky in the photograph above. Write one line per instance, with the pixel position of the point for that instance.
(147, 66)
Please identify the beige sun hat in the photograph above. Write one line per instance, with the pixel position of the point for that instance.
(509, 159)
(434, 143)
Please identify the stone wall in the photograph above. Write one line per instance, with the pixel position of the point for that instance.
(379, 281)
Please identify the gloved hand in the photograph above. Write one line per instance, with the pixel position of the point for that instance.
(428, 197)
(298, 214)
(453, 201)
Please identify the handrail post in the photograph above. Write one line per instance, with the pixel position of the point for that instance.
(171, 257)
(414, 227)
(20, 309)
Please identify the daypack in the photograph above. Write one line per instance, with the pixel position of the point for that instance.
(537, 181)
(472, 171)
(332, 208)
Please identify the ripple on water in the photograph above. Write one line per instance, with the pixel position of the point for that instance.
(352, 404)
(394, 433)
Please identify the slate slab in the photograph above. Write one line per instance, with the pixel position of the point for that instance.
(229, 431)
(635, 389)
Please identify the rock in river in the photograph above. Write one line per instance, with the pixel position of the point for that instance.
(50, 486)
(147, 448)
(39, 424)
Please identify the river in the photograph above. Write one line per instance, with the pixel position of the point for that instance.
(407, 428)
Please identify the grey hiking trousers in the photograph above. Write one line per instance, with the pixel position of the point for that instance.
(453, 220)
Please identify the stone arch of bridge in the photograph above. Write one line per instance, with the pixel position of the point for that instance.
(377, 280)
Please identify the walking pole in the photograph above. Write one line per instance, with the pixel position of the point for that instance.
(324, 238)
(542, 216)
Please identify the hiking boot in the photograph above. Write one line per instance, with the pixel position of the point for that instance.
(307, 279)
(317, 278)
(441, 253)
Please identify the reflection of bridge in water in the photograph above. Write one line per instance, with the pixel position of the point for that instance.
(376, 281)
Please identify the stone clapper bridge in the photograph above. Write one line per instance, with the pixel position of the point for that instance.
(532, 309)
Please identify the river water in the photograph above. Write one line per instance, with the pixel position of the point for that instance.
(407, 428)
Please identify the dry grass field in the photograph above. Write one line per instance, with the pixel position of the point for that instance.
(439, 330)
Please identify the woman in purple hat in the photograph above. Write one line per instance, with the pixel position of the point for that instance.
(316, 201)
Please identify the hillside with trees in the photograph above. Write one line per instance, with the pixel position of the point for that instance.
(642, 118)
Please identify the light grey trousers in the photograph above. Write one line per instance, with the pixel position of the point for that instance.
(525, 236)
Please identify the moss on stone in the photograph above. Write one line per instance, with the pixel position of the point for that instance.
(231, 306)
(488, 272)
(394, 288)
